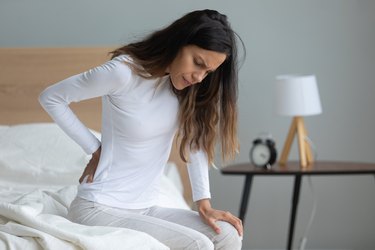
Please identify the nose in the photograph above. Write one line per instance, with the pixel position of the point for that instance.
(198, 76)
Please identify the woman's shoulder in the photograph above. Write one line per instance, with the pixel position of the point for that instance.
(127, 63)
(118, 67)
(123, 58)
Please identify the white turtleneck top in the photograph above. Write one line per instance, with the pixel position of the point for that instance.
(139, 121)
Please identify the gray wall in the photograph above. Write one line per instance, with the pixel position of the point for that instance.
(335, 40)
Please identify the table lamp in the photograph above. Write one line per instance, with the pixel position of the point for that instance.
(297, 96)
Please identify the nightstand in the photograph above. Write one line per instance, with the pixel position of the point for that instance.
(294, 169)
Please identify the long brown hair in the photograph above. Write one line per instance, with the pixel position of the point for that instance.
(208, 111)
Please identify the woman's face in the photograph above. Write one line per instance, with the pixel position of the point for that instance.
(192, 64)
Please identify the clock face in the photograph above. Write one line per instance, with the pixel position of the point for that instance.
(260, 155)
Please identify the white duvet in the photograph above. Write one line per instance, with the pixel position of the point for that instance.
(39, 171)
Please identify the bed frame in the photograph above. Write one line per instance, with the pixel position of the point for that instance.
(25, 72)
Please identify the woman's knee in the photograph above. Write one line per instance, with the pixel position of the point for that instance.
(228, 237)
(201, 243)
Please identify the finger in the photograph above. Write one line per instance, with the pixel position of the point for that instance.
(89, 178)
(239, 227)
(213, 225)
(236, 222)
(81, 179)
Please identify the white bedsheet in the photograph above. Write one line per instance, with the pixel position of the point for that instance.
(39, 218)
(39, 171)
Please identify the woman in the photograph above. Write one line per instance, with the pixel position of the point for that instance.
(181, 79)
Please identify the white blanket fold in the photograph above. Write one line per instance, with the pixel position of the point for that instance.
(38, 217)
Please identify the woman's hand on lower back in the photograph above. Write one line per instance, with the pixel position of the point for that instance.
(91, 167)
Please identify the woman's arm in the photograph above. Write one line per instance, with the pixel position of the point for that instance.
(102, 80)
(199, 178)
(198, 174)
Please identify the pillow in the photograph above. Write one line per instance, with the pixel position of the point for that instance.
(40, 153)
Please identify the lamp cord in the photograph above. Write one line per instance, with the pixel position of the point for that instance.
(313, 147)
(313, 210)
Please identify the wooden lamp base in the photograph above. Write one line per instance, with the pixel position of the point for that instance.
(297, 127)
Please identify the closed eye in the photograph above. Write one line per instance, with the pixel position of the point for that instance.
(202, 65)
(199, 64)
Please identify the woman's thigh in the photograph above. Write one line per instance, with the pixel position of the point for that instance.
(227, 239)
(171, 234)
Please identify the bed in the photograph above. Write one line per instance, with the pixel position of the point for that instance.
(40, 166)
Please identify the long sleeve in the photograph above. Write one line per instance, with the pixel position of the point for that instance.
(102, 80)
(198, 174)
(139, 120)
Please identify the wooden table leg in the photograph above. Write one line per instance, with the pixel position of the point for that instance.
(296, 192)
(245, 197)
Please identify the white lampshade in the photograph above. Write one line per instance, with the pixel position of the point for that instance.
(296, 96)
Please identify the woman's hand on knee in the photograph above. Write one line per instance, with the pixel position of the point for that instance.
(210, 215)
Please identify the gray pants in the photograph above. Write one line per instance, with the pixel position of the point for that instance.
(176, 228)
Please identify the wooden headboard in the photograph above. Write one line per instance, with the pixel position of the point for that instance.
(25, 72)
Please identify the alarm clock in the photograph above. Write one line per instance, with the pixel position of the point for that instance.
(263, 152)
